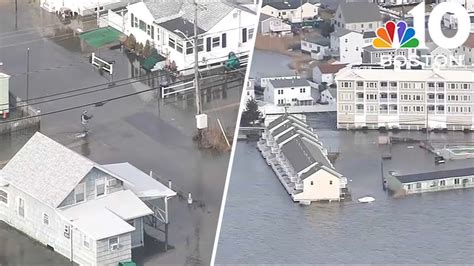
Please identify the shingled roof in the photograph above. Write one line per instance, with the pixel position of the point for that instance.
(356, 12)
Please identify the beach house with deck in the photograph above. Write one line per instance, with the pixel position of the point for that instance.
(90, 213)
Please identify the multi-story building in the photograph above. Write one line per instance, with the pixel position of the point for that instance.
(374, 97)
(347, 45)
(467, 50)
(372, 55)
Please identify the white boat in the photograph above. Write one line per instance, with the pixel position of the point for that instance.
(366, 199)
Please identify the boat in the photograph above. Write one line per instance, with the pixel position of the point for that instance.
(366, 199)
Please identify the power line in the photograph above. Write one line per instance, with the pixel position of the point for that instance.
(97, 103)
(134, 80)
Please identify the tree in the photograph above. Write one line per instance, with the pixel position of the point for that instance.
(251, 113)
(130, 42)
(139, 48)
(147, 49)
(154, 52)
(326, 29)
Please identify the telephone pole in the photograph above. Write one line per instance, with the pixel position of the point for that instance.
(196, 61)
(27, 75)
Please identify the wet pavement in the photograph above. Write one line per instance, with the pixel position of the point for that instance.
(153, 134)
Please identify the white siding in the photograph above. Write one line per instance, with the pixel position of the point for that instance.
(317, 187)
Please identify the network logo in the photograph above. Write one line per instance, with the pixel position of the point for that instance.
(394, 36)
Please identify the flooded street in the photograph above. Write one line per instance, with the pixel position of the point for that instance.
(150, 133)
(430, 228)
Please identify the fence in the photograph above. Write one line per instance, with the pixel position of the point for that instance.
(20, 112)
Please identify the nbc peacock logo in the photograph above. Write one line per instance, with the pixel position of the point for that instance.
(396, 35)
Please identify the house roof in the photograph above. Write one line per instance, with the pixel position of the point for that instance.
(342, 32)
(144, 186)
(330, 68)
(286, 4)
(435, 175)
(106, 216)
(208, 16)
(318, 40)
(286, 83)
(47, 170)
(182, 25)
(298, 155)
(356, 12)
(369, 34)
(264, 17)
(96, 222)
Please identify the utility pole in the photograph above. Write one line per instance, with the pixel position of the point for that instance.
(16, 14)
(98, 13)
(196, 61)
(27, 75)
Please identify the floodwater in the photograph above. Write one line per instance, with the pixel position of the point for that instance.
(152, 134)
(261, 223)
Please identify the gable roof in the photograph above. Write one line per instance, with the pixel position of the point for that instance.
(286, 83)
(208, 17)
(356, 12)
(319, 40)
(330, 68)
(470, 41)
(342, 32)
(47, 170)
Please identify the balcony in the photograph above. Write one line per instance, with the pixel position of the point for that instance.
(383, 100)
(393, 88)
(359, 100)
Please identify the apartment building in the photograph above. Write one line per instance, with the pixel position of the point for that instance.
(375, 97)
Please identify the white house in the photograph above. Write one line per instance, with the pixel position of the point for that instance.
(83, 7)
(347, 44)
(223, 27)
(467, 50)
(273, 26)
(92, 214)
(325, 73)
(357, 16)
(291, 10)
(300, 161)
(315, 45)
(4, 93)
(292, 92)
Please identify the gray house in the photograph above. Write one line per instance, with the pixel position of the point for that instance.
(270, 25)
(90, 213)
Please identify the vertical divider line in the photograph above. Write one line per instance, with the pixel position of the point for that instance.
(236, 134)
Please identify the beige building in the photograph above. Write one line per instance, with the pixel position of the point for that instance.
(405, 99)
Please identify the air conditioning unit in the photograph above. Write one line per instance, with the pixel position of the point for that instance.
(114, 246)
(112, 182)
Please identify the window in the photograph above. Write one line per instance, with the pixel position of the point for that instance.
(442, 183)
(21, 207)
(171, 42)
(3, 196)
(45, 219)
(152, 32)
(80, 193)
(409, 187)
(418, 185)
(100, 186)
(86, 242)
(208, 44)
(456, 181)
(280, 92)
(224, 40)
(251, 33)
(179, 46)
(67, 231)
(189, 48)
(200, 45)
(312, 183)
(302, 90)
(244, 35)
(142, 25)
(132, 20)
(114, 243)
(216, 42)
(330, 182)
